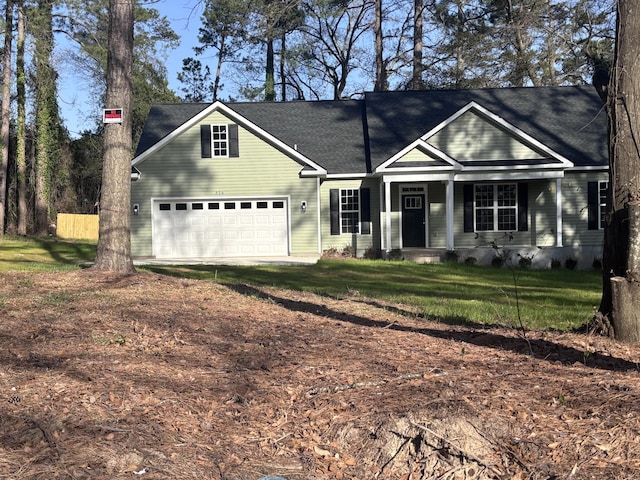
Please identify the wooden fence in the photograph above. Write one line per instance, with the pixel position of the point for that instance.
(77, 227)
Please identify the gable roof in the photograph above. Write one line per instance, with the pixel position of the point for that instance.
(354, 137)
(571, 121)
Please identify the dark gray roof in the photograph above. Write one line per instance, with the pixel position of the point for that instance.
(569, 120)
(165, 118)
(356, 136)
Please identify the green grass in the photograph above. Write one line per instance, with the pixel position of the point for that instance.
(450, 292)
(43, 254)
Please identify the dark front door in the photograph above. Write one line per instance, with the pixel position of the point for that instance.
(413, 221)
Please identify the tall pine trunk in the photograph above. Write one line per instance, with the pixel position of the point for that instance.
(21, 150)
(46, 115)
(114, 241)
(381, 74)
(416, 80)
(621, 292)
(6, 112)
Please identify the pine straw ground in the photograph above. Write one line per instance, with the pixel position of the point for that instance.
(151, 377)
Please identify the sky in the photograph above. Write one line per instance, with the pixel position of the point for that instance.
(75, 105)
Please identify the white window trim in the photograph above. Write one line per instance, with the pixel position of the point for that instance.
(359, 211)
(496, 208)
(602, 203)
(214, 141)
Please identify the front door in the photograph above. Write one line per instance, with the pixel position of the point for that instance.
(413, 221)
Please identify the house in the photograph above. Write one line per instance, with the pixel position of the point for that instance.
(416, 172)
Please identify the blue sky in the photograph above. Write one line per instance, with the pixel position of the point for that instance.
(77, 109)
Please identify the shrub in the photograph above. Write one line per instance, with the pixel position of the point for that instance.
(395, 254)
(497, 261)
(372, 254)
(556, 264)
(451, 256)
(570, 263)
(524, 261)
(597, 264)
(470, 260)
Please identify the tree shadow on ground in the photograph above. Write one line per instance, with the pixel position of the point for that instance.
(473, 334)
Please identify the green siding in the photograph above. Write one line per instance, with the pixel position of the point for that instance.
(437, 215)
(471, 137)
(361, 243)
(417, 155)
(261, 170)
(574, 202)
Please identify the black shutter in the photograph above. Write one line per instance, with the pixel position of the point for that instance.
(467, 195)
(205, 141)
(334, 207)
(593, 205)
(234, 151)
(523, 207)
(365, 211)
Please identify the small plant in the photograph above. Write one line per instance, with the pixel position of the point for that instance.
(451, 256)
(372, 253)
(349, 251)
(524, 261)
(556, 264)
(470, 260)
(395, 254)
(570, 263)
(57, 298)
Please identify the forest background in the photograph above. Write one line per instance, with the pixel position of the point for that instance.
(260, 50)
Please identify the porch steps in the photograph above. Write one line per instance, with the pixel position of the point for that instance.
(424, 255)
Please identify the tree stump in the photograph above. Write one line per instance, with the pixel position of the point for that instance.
(626, 298)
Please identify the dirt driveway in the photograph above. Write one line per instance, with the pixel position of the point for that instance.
(152, 377)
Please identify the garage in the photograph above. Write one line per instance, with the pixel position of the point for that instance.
(205, 228)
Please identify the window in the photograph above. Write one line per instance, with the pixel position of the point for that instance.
(350, 210)
(219, 140)
(603, 186)
(496, 207)
(165, 206)
(197, 206)
(181, 206)
(597, 204)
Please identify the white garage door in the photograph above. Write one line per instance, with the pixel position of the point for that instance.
(220, 228)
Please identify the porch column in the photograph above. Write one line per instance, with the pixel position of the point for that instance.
(449, 213)
(387, 211)
(559, 241)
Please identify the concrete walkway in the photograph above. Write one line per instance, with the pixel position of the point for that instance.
(251, 261)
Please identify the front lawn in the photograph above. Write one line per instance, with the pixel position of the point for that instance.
(449, 292)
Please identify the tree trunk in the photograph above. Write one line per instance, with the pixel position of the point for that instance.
(21, 121)
(416, 81)
(46, 115)
(381, 74)
(6, 112)
(114, 241)
(621, 254)
(270, 82)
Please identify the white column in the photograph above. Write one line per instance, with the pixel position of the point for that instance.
(449, 213)
(559, 241)
(387, 210)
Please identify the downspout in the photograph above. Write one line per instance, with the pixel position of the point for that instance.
(318, 215)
